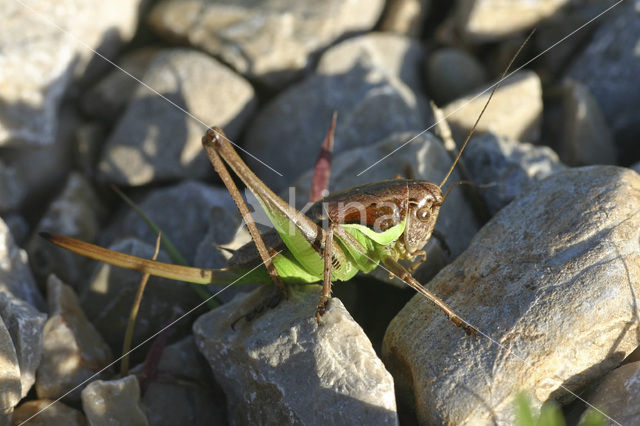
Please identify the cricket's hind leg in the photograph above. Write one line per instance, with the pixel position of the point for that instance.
(326, 282)
(269, 302)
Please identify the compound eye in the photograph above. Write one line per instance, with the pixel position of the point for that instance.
(423, 213)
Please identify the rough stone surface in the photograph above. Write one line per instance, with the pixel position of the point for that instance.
(374, 84)
(515, 110)
(507, 167)
(618, 395)
(485, 20)
(452, 73)
(114, 402)
(47, 414)
(39, 60)
(587, 139)
(108, 297)
(182, 212)
(10, 380)
(15, 275)
(76, 212)
(609, 67)
(269, 41)
(25, 324)
(156, 141)
(405, 17)
(73, 350)
(13, 191)
(552, 278)
(183, 391)
(284, 368)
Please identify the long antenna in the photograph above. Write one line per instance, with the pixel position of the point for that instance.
(495, 87)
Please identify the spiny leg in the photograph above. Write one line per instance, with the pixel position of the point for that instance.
(328, 266)
(399, 271)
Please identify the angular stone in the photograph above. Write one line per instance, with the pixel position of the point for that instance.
(15, 275)
(486, 20)
(374, 84)
(108, 296)
(25, 324)
(269, 41)
(10, 380)
(609, 67)
(40, 60)
(157, 141)
(284, 368)
(182, 212)
(515, 110)
(47, 413)
(452, 73)
(73, 350)
(114, 402)
(76, 212)
(618, 395)
(507, 167)
(551, 280)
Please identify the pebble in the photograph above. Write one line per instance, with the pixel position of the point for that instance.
(284, 368)
(39, 61)
(114, 402)
(551, 278)
(374, 84)
(270, 42)
(68, 340)
(76, 212)
(47, 413)
(10, 385)
(515, 110)
(155, 140)
(453, 73)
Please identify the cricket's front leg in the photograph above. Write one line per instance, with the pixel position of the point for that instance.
(399, 271)
(328, 266)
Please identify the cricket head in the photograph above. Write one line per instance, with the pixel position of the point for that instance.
(425, 199)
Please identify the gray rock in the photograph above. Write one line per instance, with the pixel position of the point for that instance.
(405, 17)
(108, 98)
(108, 296)
(587, 139)
(182, 212)
(40, 60)
(452, 73)
(618, 395)
(47, 413)
(113, 402)
(635, 167)
(269, 41)
(18, 227)
(76, 212)
(486, 20)
(10, 380)
(507, 167)
(373, 82)
(284, 368)
(184, 391)
(157, 141)
(550, 282)
(89, 139)
(73, 350)
(11, 188)
(15, 275)
(25, 324)
(515, 110)
(609, 67)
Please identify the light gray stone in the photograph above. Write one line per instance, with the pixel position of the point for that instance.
(73, 350)
(269, 41)
(452, 73)
(10, 380)
(76, 212)
(114, 402)
(618, 395)
(47, 413)
(550, 281)
(405, 17)
(507, 167)
(157, 141)
(15, 275)
(487, 20)
(40, 59)
(372, 81)
(609, 67)
(25, 324)
(515, 110)
(283, 367)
